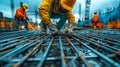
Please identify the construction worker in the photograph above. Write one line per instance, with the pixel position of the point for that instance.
(21, 16)
(54, 9)
(95, 20)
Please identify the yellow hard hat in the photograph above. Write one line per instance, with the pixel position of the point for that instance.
(25, 6)
(68, 4)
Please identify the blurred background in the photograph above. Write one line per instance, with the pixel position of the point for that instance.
(83, 11)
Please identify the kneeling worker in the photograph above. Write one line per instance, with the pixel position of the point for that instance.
(54, 9)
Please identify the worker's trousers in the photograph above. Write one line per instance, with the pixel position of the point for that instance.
(20, 21)
(60, 24)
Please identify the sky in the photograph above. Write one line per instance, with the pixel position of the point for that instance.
(95, 6)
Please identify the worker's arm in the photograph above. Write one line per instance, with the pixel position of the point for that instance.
(26, 17)
(44, 9)
(71, 17)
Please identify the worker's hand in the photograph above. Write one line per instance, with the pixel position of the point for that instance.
(52, 28)
(27, 18)
(69, 28)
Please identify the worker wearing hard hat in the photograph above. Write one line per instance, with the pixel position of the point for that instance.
(56, 9)
(95, 20)
(21, 16)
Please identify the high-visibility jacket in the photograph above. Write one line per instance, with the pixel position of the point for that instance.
(95, 18)
(20, 13)
(45, 11)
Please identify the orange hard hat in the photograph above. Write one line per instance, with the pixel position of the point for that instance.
(68, 4)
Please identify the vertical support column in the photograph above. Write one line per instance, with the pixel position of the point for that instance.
(12, 8)
(87, 9)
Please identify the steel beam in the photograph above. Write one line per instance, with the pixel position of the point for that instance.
(115, 64)
(63, 60)
(17, 49)
(40, 64)
(79, 53)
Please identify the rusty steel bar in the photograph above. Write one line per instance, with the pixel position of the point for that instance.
(118, 44)
(25, 48)
(104, 44)
(1, 58)
(62, 55)
(15, 44)
(8, 39)
(15, 35)
(14, 40)
(51, 59)
(103, 47)
(13, 32)
(115, 64)
(70, 52)
(40, 64)
(107, 38)
(79, 53)
(28, 55)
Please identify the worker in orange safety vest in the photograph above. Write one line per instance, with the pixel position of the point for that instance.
(21, 16)
(95, 20)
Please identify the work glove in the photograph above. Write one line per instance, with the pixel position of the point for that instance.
(69, 28)
(51, 29)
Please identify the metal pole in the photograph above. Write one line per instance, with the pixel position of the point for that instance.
(63, 61)
(79, 53)
(29, 54)
(115, 64)
(12, 9)
(45, 54)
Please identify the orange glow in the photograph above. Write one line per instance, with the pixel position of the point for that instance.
(118, 24)
(11, 25)
(100, 25)
(30, 26)
(112, 24)
(2, 23)
(36, 27)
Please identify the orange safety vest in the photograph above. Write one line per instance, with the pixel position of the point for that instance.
(95, 18)
(20, 13)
